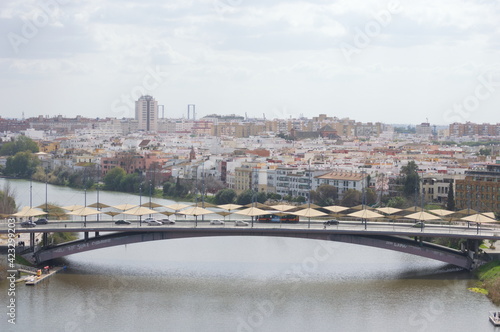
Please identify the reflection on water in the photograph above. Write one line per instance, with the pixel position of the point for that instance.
(252, 284)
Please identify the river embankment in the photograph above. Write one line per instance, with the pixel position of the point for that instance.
(488, 276)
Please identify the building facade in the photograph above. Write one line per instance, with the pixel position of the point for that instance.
(480, 190)
(146, 113)
(343, 181)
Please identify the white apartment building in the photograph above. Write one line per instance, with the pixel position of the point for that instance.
(146, 113)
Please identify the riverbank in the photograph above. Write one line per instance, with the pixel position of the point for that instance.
(489, 281)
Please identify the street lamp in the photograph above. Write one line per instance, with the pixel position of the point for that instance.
(140, 203)
(309, 196)
(97, 187)
(46, 191)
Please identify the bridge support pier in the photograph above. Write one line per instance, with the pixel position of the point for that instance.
(32, 240)
(96, 234)
(45, 239)
(86, 236)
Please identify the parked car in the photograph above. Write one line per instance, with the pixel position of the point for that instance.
(167, 221)
(28, 223)
(41, 221)
(122, 222)
(216, 222)
(331, 222)
(240, 223)
(152, 221)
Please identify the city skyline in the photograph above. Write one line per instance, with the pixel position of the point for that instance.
(389, 62)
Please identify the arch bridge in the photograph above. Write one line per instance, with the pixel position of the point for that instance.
(410, 243)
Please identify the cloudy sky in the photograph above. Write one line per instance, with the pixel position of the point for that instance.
(390, 61)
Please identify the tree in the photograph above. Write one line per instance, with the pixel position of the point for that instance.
(370, 196)
(113, 178)
(352, 197)
(247, 196)
(299, 199)
(397, 202)
(411, 179)
(20, 144)
(324, 195)
(225, 196)
(485, 152)
(273, 196)
(7, 201)
(450, 205)
(261, 197)
(22, 165)
(130, 183)
(213, 185)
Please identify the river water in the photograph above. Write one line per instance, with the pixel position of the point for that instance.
(241, 284)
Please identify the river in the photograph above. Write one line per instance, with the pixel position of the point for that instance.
(241, 284)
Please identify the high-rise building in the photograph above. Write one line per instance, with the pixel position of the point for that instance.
(146, 112)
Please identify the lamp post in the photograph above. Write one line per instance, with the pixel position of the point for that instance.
(196, 196)
(421, 181)
(46, 192)
(31, 192)
(97, 187)
(150, 194)
(140, 202)
(363, 196)
(309, 196)
(85, 200)
(203, 188)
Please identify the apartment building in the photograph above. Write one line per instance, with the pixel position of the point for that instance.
(343, 180)
(480, 190)
(146, 113)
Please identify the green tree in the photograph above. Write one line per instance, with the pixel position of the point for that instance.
(245, 197)
(250, 196)
(113, 178)
(261, 197)
(410, 179)
(397, 202)
(225, 196)
(20, 144)
(299, 199)
(21, 165)
(7, 201)
(324, 195)
(485, 152)
(168, 188)
(274, 196)
(352, 197)
(370, 196)
(450, 204)
(131, 183)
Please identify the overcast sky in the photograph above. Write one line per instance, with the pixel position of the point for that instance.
(390, 61)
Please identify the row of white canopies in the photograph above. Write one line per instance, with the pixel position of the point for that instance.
(257, 209)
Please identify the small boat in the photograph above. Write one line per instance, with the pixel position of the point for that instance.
(495, 318)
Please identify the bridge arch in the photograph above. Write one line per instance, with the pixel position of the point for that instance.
(396, 243)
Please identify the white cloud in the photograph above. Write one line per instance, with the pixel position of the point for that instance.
(236, 56)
